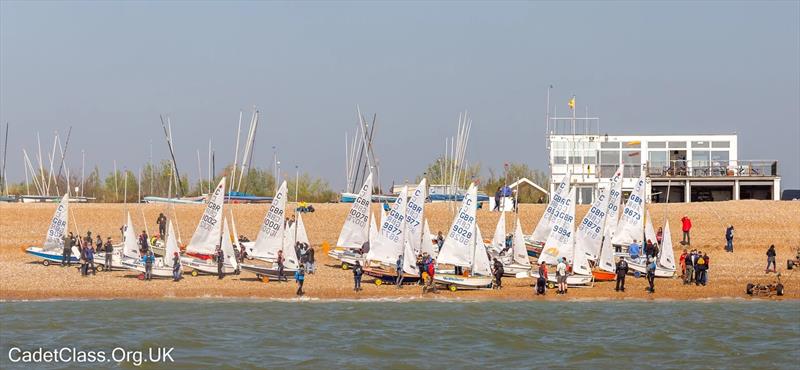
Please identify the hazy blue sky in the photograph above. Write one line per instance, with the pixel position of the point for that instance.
(110, 68)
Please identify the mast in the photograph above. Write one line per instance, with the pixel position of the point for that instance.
(168, 137)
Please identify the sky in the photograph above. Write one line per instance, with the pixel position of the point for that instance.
(109, 69)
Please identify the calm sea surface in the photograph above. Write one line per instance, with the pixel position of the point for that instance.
(412, 334)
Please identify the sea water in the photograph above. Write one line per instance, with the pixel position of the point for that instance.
(309, 334)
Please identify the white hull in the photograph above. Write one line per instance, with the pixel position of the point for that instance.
(272, 272)
(116, 260)
(572, 280)
(513, 269)
(660, 271)
(474, 282)
(205, 266)
(348, 256)
(158, 270)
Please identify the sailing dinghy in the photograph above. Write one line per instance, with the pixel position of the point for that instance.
(561, 244)
(53, 247)
(464, 247)
(162, 266)
(665, 263)
(207, 235)
(209, 266)
(556, 207)
(356, 229)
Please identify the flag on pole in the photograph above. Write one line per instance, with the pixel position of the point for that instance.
(572, 103)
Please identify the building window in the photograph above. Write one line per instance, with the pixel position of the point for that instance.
(677, 144)
(609, 157)
(590, 160)
(720, 155)
(610, 145)
(631, 157)
(720, 144)
(631, 144)
(559, 160)
(575, 160)
(585, 195)
(657, 144)
(700, 144)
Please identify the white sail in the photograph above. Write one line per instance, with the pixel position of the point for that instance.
(499, 238)
(632, 220)
(129, 246)
(427, 241)
(373, 228)
(172, 245)
(590, 231)
(356, 226)
(409, 259)
(302, 236)
(614, 201)
(58, 226)
(459, 243)
(560, 241)
(580, 262)
(480, 263)
(518, 245)
(383, 213)
(667, 256)
(649, 231)
(227, 245)
(233, 228)
(556, 206)
(206, 237)
(388, 244)
(415, 213)
(270, 236)
(606, 260)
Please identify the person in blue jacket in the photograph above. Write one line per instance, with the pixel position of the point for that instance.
(148, 260)
(633, 250)
(299, 277)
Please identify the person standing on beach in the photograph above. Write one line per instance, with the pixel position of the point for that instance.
(162, 226)
(90, 259)
(357, 272)
(771, 258)
(176, 267)
(300, 277)
(541, 281)
(561, 276)
(682, 261)
(421, 270)
(399, 268)
(311, 260)
(706, 268)
(686, 226)
(109, 249)
(431, 272)
(700, 269)
(729, 239)
(280, 260)
(651, 274)
(621, 270)
(498, 274)
(66, 256)
(649, 249)
(82, 258)
(660, 235)
(220, 263)
(439, 240)
(690, 260)
(148, 258)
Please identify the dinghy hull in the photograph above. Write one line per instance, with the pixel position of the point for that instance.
(270, 272)
(572, 280)
(52, 256)
(388, 276)
(600, 275)
(463, 282)
(642, 269)
(205, 266)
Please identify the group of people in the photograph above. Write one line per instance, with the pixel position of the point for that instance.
(694, 267)
(87, 248)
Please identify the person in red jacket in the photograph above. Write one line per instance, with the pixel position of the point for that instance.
(687, 227)
(430, 285)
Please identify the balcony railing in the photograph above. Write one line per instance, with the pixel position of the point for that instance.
(706, 168)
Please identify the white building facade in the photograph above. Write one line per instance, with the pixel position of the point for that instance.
(679, 168)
